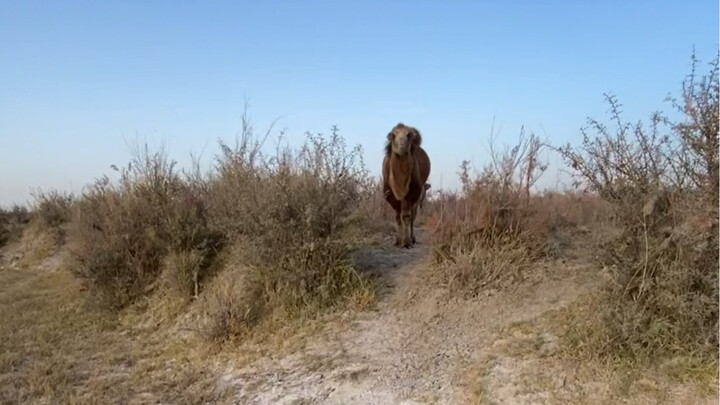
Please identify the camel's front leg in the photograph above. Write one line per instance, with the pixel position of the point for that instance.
(406, 218)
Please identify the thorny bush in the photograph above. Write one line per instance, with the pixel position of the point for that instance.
(285, 220)
(662, 182)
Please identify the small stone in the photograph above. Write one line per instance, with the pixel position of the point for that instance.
(550, 345)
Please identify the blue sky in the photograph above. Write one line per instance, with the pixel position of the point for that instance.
(77, 78)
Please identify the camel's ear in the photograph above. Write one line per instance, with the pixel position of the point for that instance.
(390, 136)
(415, 136)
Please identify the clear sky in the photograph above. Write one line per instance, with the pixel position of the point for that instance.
(77, 78)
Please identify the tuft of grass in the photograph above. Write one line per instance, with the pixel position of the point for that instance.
(482, 266)
(233, 304)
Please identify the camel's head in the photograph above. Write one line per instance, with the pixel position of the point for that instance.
(402, 138)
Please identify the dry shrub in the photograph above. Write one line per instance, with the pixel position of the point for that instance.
(662, 183)
(121, 232)
(491, 220)
(292, 218)
(289, 196)
(12, 223)
(51, 211)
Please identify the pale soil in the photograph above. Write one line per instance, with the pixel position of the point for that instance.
(418, 345)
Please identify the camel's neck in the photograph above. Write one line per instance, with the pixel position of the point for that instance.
(401, 169)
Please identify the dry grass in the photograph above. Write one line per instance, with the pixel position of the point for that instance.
(582, 332)
(240, 299)
(55, 349)
(35, 246)
(490, 233)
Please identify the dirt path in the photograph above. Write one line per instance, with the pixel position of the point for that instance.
(418, 346)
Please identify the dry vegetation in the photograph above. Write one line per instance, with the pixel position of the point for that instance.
(281, 225)
(489, 233)
(12, 224)
(261, 239)
(266, 239)
(58, 349)
(52, 211)
(647, 209)
(662, 181)
(497, 231)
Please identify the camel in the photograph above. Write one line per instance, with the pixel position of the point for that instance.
(406, 168)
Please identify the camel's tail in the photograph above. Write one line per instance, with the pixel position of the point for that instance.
(422, 195)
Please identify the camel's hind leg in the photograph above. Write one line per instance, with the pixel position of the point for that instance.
(412, 224)
(398, 228)
(406, 218)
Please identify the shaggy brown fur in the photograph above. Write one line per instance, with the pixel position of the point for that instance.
(406, 168)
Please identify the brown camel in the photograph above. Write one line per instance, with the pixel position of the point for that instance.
(406, 168)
